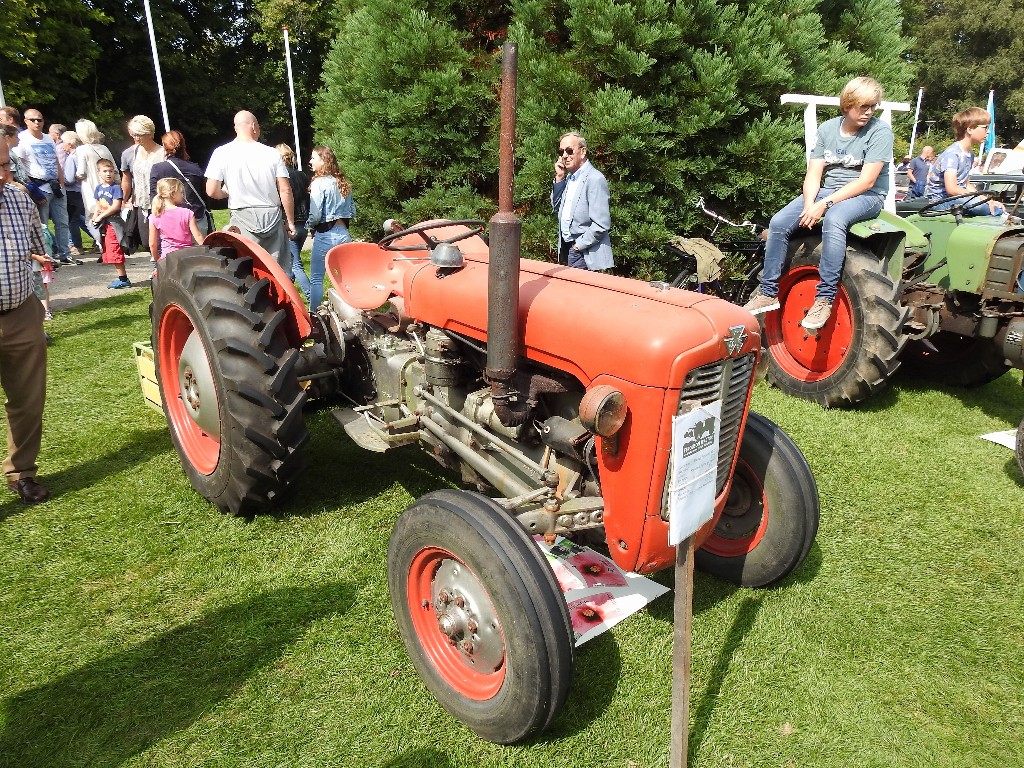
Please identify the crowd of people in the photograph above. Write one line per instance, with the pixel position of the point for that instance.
(153, 198)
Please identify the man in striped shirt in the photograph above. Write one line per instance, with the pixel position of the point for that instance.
(22, 342)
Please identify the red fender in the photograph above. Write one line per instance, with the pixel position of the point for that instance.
(282, 290)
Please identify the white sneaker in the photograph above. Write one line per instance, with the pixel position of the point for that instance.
(759, 303)
(817, 315)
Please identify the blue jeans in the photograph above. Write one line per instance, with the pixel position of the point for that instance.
(834, 226)
(299, 271)
(322, 243)
(56, 208)
(976, 208)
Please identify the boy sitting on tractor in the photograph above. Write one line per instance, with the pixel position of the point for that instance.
(947, 180)
(852, 151)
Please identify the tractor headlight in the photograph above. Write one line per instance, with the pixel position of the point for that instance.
(603, 410)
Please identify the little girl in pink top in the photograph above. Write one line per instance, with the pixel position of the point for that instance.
(172, 226)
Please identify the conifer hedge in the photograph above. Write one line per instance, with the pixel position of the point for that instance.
(677, 100)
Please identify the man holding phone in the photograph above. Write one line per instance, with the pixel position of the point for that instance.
(579, 198)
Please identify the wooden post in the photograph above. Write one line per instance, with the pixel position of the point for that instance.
(683, 622)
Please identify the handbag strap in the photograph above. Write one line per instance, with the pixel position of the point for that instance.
(185, 179)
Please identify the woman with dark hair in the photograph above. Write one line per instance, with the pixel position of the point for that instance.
(299, 183)
(179, 165)
(331, 210)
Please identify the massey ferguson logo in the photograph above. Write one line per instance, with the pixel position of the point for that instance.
(735, 340)
(699, 437)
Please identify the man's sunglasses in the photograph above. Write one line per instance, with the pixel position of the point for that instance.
(565, 151)
(33, 119)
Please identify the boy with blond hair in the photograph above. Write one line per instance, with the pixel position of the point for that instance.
(948, 176)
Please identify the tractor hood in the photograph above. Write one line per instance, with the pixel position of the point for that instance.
(584, 323)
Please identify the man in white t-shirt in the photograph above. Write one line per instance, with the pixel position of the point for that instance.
(38, 155)
(254, 180)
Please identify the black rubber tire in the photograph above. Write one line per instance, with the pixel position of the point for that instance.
(772, 479)
(872, 341)
(961, 361)
(523, 599)
(1020, 446)
(254, 461)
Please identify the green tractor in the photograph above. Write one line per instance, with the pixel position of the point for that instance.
(934, 290)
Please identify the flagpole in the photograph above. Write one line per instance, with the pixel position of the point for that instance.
(156, 66)
(917, 114)
(291, 93)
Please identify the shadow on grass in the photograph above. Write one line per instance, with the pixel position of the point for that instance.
(117, 707)
(140, 447)
(598, 667)
(704, 706)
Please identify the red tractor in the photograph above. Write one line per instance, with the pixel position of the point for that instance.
(552, 390)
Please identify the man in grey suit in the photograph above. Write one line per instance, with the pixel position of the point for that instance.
(579, 198)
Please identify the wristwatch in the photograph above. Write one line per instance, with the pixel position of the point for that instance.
(829, 204)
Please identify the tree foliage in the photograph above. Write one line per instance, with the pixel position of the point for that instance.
(963, 49)
(677, 100)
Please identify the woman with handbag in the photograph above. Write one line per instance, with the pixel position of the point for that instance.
(179, 165)
(331, 210)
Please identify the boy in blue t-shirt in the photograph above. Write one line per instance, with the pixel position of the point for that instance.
(948, 176)
(106, 218)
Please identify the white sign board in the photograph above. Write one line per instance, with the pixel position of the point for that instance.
(694, 464)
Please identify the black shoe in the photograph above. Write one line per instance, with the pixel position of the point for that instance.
(29, 490)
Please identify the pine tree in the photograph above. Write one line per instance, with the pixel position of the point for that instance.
(676, 100)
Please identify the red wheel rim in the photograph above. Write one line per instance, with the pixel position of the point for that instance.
(452, 663)
(201, 449)
(799, 353)
(743, 522)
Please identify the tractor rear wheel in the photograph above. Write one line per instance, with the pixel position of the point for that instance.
(857, 351)
(481, 614)
(227, 379)
(771, 516)
(959, 361)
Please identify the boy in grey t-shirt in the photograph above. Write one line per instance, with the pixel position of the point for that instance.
(846, 181)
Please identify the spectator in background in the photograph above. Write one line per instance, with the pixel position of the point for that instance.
(10, 116)
(254, 181)
(904, 164)
(136, 163)
(87, 172)
(179, 165)
(917, 171)
(580, 199)
(73, 191)
(11, 139)
(37, 152)
(331, 210)
(299, 183)
(106, 217)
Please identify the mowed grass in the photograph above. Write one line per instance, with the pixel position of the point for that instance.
(140, 627)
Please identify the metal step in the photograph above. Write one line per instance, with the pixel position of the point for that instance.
(360, 430)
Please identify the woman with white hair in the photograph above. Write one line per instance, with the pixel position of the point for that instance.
(87, 155)
(136, 163)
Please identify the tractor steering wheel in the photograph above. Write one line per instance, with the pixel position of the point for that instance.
(476, 226)
(931, 210)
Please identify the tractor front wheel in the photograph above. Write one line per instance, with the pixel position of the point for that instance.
(481, 614)
(227, 378)
(856, 352)
(771, 516)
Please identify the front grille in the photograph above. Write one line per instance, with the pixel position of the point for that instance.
(728, 380)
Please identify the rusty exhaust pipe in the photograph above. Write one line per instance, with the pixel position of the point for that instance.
(506, 234)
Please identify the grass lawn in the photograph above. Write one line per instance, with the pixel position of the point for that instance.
(139, 627)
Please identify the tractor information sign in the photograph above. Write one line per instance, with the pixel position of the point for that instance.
(694, 464)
